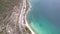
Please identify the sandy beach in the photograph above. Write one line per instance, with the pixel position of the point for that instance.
(27, 24)
(23, 16)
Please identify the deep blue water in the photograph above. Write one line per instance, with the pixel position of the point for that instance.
(44, 17)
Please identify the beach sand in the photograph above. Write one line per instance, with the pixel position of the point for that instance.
(28, 8)
(25, 22)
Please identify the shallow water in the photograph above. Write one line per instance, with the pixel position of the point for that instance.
(44, 17)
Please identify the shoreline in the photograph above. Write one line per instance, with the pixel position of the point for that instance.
(27, 24)
(23, 16)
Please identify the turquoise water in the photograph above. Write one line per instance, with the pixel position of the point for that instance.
(44, 17)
